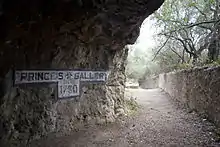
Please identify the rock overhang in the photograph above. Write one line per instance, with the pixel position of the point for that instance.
(41, 24)
(116, 19)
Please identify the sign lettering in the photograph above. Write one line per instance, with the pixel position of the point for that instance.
(68, 81)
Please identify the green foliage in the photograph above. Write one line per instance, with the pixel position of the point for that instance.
(132, 106)
(214, 63)
(182, 47)
(181, 38)
(192, 4)
(183, 66)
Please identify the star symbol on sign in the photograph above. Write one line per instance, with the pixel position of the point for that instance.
(68, 75)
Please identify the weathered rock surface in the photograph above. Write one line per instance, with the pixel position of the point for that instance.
(197, 89)
(53, 34)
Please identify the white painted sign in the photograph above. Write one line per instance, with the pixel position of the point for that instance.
(68, 88)
(68, 81)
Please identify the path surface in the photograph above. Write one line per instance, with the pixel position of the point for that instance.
(159, 123)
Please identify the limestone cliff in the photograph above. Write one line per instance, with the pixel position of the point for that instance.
(68, 34)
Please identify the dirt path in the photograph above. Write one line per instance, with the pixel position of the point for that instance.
(159, 123)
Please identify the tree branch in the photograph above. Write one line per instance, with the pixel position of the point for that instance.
(184, 45)
(177, 54)
(200, 11)
(192, 25)
(161, 48)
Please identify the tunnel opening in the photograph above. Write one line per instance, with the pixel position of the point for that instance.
(139, 64)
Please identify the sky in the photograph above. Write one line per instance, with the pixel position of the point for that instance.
(145, 40)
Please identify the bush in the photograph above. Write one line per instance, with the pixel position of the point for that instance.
(183, 66)
(132, 106)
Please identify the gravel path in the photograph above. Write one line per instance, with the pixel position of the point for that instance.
(158, 124)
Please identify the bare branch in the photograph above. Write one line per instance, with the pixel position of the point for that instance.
(192, 25)
(200, 11)
(183, 42)
(161, 48)
(177, 54)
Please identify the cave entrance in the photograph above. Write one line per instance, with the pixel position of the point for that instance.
(64, 35)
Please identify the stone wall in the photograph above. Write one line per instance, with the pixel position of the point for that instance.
(198, 89)
(149, 83)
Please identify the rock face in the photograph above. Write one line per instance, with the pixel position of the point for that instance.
(196, 89)
(70, 34)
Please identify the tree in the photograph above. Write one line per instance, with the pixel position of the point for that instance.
(184, 24)
(188, 35)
